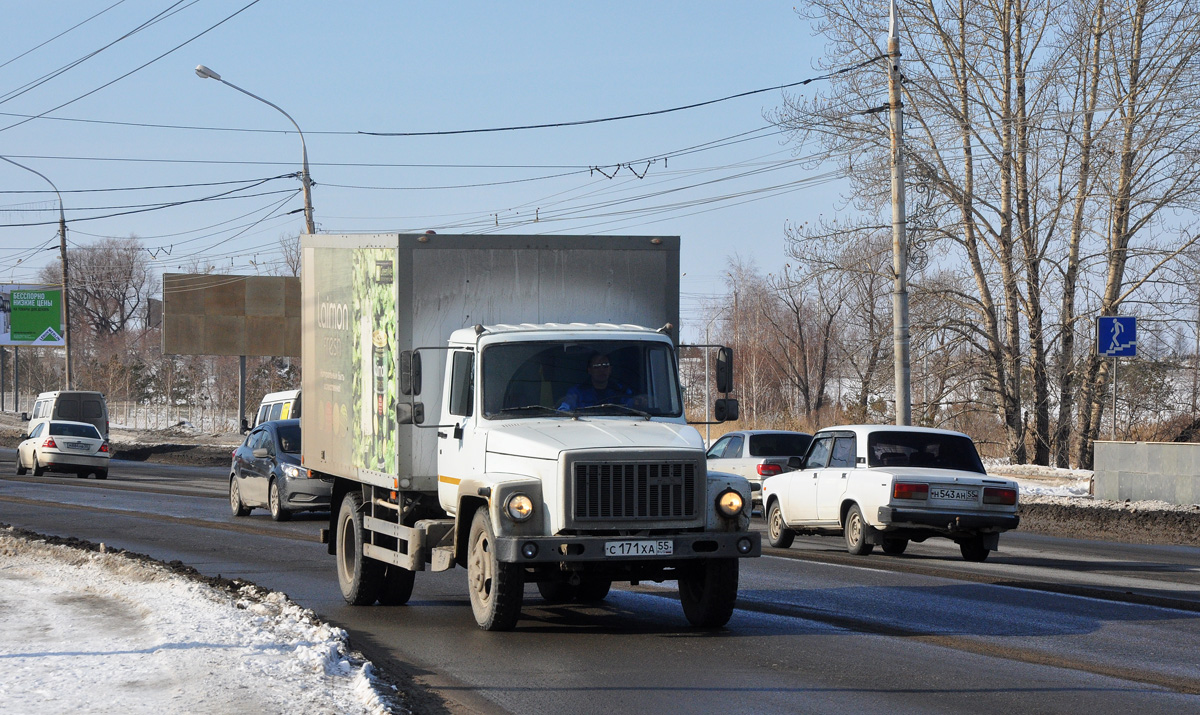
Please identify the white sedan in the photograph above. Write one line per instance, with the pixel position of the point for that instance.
(63, 446)
(888, 485)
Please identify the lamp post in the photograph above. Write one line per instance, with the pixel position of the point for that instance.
(205, 73)
(62, 248)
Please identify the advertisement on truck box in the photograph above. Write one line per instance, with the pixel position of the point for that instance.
(356, 336)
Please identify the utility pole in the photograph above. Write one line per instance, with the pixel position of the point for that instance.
(66, 296)
(899, 240)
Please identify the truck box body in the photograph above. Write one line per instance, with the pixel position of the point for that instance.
(369, 298)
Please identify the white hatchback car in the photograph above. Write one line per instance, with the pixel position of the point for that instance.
(888, 485)
(64, 446)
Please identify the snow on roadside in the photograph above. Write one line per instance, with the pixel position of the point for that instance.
(1037, 481)
(102, 632)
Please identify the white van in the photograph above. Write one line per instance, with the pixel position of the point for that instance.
(73, 405)
(283, 405)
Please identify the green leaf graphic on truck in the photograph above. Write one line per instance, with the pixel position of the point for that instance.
(356, 325)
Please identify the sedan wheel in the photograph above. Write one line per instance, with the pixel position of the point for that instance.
(235, 498)
(778, 535)
(856, 532)
(20, 466)
(894, 546)
(275, 501)
(37, 468)
(974, 550)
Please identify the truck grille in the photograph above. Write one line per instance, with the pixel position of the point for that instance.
(639, 491)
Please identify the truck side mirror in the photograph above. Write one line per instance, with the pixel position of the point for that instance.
(725, 371)
(410, 372)
(25, 416)
(725, 410)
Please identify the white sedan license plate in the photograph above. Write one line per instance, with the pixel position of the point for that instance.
(76, 445)
(954, 494)
(661, 547)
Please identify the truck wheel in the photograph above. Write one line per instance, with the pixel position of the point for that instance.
(397, 586)
(361, 578)
(37, 468)
(855, 531)
(592, 589)
(894, 547)
(275, 502)
(235, 498)
(973, 550)
(708, 591)
(557, 591)
(496, 588)
(778, 535)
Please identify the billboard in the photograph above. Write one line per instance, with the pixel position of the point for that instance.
(31, 315)
(220, 314)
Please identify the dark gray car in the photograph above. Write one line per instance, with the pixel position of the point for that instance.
(266, 472)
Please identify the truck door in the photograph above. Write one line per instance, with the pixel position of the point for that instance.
(461, 445)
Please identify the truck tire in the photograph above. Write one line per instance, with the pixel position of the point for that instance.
(275, 502)
(973, 550)
(397, 586)
(589, 590)
(496, 588)
(360, 578)
(592, 589)
(557, 591)
(778, 535)
(236, 506)
(855, 531)
(894, 546)
(708, 591)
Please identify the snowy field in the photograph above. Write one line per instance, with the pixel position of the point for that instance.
(102, 632)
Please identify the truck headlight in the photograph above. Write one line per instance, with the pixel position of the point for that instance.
(730, 503)
(519, 507)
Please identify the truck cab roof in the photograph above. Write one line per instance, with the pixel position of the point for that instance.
(467, 336)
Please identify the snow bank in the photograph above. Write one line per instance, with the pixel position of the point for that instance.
(87, 631)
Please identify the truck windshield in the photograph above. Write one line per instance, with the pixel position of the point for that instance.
(591, 377)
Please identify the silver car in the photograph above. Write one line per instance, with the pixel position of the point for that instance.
(64, 446)
(757, 454)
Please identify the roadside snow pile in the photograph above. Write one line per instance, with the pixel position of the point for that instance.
(88, 631)
(1036, 480)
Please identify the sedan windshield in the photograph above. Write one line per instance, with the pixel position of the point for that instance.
(62, 429)
(922, 449)
(586, 377)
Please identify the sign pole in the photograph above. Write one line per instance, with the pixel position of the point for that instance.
(1114, 425)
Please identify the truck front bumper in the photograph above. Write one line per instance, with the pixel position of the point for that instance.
(684, 547)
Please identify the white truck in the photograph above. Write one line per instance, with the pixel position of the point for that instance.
(512, 405)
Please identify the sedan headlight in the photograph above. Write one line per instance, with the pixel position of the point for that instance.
(730, 503)
(291, 471)
(519, 507)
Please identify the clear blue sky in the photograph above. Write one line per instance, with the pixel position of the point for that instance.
(406, 67)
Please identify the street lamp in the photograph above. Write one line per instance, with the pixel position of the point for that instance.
(205, 73)
(62, 248)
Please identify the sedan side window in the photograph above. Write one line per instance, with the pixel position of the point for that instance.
(717, 451)
(818, 455)
(843, 452)
(37, 431)
(734, 450)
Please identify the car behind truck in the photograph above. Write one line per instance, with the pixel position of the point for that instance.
(512, 405)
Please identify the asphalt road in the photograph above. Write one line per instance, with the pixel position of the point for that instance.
(816, 629)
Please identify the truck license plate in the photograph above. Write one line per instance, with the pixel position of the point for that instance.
(661, 547)
(954, 494)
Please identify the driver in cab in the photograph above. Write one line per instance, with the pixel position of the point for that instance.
(599, 389)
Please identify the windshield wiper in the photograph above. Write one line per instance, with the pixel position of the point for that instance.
(627, 408)
(539, 408)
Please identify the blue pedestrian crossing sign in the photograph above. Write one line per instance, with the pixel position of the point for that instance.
(1116, 336)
